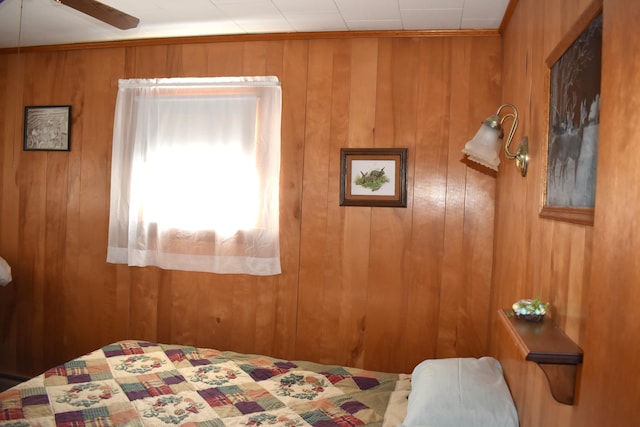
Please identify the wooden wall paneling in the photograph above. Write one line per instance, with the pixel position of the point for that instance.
(241, 287)
(444, 230)
(144, 294)
(103, 300)
(11, 113)
(529, 387)
(473, 324)
(326, 146)
(538, 398)
(26, 266)
(77, 299)
(242, 299)
(11, 124)
(533, 74)
(175, 61)
(265, 316)
(294, 98)
(165, 313)
(244, 313)
(344, 92)
(338, 293)
(194, 61)
(35, 213)
(555, 255)
(103, 72)
(514, 269)
(451, 288)
(512, 266)
(508, 353)
(569, 280)
(256, 55)
(566, 276)
(246, 330)
(395, 126)
(514, 256)
(185, 313)
(225, 59)
(264, 319)
(387, 294)
(55, 242)
(96, 301)
(356, 231)
(30, 263)
(7, 129)
(104, 69)
(516, 263)
(429, 163)
(146, 62)
(265, 58)
(362, 113)
(609, 390)
(342, 248)
(477, 261)
(213, 304)
(314, 250)
(217, 298)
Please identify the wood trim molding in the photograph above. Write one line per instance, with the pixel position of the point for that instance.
(594, 9)
(508, 13)
(574, 215)
(257, 37)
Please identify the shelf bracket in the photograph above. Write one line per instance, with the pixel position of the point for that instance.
(562, 381)
(548, 346)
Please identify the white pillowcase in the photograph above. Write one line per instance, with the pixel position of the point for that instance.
(5, 272)
(460, 392)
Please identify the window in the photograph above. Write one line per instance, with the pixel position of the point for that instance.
(195, 175)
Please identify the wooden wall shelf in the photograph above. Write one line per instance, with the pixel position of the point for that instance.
(547, 345)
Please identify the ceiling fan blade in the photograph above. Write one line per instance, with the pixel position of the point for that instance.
(103, 12)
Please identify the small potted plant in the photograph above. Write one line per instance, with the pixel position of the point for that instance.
(531, 310)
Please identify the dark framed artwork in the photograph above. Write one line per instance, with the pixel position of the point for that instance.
(574, 117)
(47, 128)
(373, 177)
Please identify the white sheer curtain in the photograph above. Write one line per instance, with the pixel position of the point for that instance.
(195, 175)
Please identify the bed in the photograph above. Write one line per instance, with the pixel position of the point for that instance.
(140, 383)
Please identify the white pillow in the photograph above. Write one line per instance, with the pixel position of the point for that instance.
(5, 272)
(460, 392)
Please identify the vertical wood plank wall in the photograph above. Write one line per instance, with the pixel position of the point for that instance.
(589, 273)
(380, 288)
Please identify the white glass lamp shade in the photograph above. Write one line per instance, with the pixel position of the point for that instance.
(484, 147)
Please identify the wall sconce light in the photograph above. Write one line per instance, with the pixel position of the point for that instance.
(484, 147)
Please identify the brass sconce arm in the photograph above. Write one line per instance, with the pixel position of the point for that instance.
(478, 147)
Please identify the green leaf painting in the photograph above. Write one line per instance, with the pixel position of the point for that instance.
(373, 179)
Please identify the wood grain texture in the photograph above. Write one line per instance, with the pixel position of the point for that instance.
(588, 273)
(610, 353)
(382, 288)
(536, 256)
(10, 119)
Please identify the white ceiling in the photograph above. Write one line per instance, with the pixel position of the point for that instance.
(45, 22)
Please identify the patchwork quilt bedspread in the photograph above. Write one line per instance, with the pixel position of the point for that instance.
(139, 383)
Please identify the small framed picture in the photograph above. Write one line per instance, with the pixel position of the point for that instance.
(47, 128)
(373, 177)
